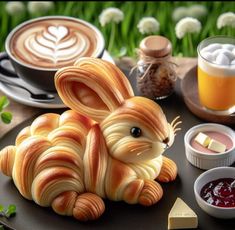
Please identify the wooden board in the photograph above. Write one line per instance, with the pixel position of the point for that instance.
(189, 88)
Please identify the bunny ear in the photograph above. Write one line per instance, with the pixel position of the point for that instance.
(93, 87)
(105, 69)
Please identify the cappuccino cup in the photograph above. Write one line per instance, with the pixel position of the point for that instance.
(39, 47)
(216, 73)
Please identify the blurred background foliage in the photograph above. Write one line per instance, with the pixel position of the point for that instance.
(128, 37)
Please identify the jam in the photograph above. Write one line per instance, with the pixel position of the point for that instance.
(219, 193)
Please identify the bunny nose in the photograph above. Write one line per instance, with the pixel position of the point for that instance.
(166, 140)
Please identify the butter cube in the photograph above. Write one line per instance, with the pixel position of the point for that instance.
(202, 139)
(216, 146)
(182, 216)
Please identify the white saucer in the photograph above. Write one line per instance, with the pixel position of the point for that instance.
(22, 96)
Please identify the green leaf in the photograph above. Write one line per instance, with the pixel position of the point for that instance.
(1, 208)
(4, 102)
(2, 227)
(6, 117)
(126, 25)
(11, 210)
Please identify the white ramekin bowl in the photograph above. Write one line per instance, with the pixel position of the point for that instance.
(204, 178)
(207, 160)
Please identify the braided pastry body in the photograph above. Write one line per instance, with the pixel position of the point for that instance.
(109, 145)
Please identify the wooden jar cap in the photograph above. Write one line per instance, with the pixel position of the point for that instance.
(156, 46)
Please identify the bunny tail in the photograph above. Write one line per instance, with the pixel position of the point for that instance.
(7, 159)
(84, 207)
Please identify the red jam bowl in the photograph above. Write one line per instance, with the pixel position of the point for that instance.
(214, 194)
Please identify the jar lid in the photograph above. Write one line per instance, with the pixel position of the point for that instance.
(156, 46)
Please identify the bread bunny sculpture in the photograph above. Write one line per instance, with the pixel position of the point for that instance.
(108, 145)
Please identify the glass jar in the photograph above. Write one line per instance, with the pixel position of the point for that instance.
(156, 76)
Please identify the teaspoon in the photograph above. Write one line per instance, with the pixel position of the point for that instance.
(43, 97)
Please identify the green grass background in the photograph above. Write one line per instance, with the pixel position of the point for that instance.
(127, 34)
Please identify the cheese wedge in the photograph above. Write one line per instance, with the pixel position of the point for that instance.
(216, 146)
(202, 139)
(182, 216)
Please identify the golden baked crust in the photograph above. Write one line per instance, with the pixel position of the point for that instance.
(71, 161)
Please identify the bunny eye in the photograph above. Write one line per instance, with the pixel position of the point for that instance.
(135, 132)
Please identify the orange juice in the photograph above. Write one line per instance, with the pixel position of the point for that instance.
(216, 72)
(216, 92)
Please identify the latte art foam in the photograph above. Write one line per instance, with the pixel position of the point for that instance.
(57, 45)
(54, 43)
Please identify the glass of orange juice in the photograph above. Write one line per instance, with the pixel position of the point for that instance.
(216, 73)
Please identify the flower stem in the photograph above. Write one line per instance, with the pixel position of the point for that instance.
(14, 22)
(112, 36)
(230, 31)
(190, 44)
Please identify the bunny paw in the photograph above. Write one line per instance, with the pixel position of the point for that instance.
(88, 206)
(168, 171)
(84, 207)
(151, 193)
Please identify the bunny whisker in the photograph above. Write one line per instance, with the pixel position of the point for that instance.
(176, 124)
(177, 129)
(174, 121)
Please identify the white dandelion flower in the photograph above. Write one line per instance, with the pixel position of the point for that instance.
(226, 19)
(179, 13)
(13, 8)
(111, 14)
(197, 11)
(39, 7)
(187, 25)
(148, 25)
